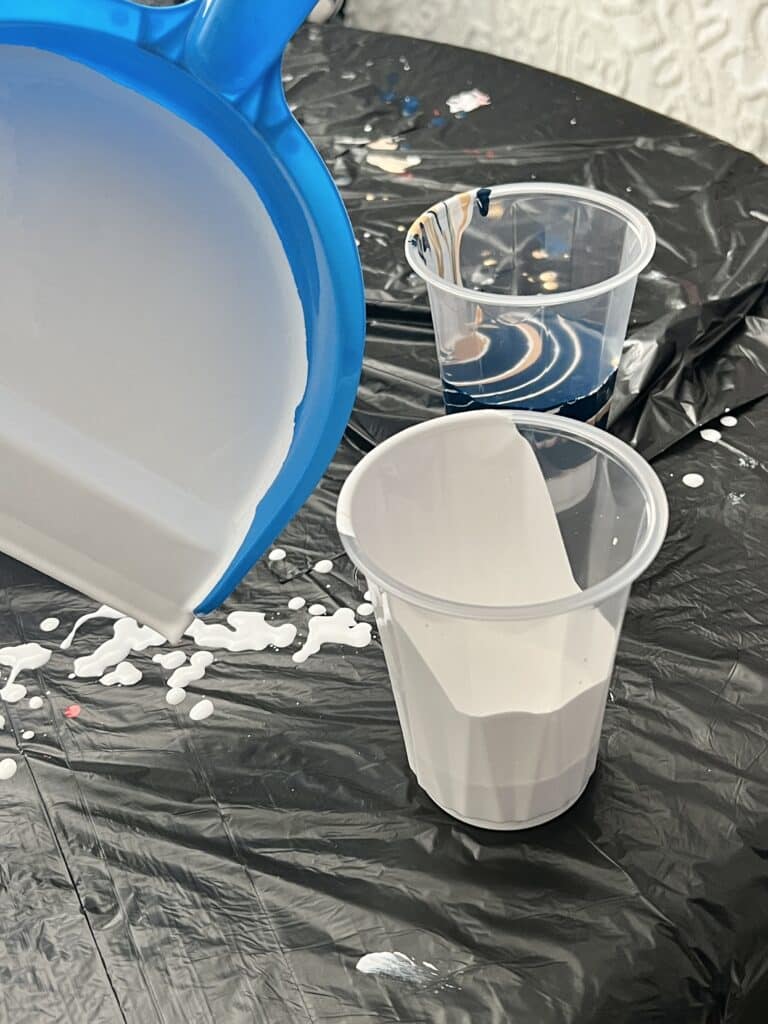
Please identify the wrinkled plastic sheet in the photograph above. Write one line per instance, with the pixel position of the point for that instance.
(235, 870)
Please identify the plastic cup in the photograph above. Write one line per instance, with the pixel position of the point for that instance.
(500, 617)
(531, 287)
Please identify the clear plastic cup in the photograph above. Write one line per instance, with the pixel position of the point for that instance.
(499, 616)
(531, 287)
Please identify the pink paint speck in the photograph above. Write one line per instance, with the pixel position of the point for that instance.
(73, 711)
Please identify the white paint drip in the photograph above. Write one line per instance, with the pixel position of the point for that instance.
(393, 163)
(190, 673)
(249, 632)
(35, 703)
(127, 636)
(125, 674)
(296, 603)
(340, 628)
(12, 693)
(693, 479)
(104, 612)
(8, 769)
(710, 435)
(365, 609)
(28, 734)
(729, 421)
(466, 102)
(325, 565)
(759, 215)
(48, 625)
(317, 609)
(203, 709)
(23, 658)
(397, 966)
(176, 695)
(171, 660)
(276, 555)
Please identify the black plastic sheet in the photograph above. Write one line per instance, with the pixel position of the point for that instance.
(235, 870)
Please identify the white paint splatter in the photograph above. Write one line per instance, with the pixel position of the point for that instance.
(28, 734)
(2, 721)
(392, 163)
(296, 603)
(317, 609)
(340, 628)
(125, 674)
(190, 673)
(693, 479)
(203, 709)
(8, 768)
(23, 658)
(12, 693)
(387, 144)
(104, 612)
(736, 499)
(48, 625)
(708, 434)
(759, 215)
(250, 632)
(367, 596)
(176, 695)
(365, 609)
(729, 421)
(397, 966)
(325, 565)
(466, 102)
(127, 636)
(35, 703)
(276, 555)
(171, 660)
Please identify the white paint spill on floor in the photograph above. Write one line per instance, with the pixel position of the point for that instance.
(8, 769)
(125, 674)
(317, 609)
(28, 734)
(397, 966)
(365, 609)
(393, 163)
(296, 603)
(466, 102)
(190, 673)
(48, 625)
(127, 636)
(729, 421)
(104, 612)
(24, 658)
(708, 434)
(325, 565)
(176, 695)
(171, 660)
(203, 709)
(35, 703)
(339, 628)
(12, 693)
(276, 555)
(693, 479)
(250, 632)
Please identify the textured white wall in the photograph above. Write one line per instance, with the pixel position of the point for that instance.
(702, 61)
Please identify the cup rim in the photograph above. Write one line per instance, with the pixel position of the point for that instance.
(645, 551)
(636, 220)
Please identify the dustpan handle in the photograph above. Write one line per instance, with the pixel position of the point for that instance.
(231, 44)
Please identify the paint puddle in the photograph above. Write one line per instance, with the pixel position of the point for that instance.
(339, 628)
(21, 658)
(296, 604)
(250, 632)
(202, 710)
(277, 555)
(8, 769)
(104, 612)
(466, 102)
(176, 695)
(127, 636)
(73, 711)
(35, 703)
(325, 565)
(397, 966)
(48, 625)
(12, 693)
(171, 660)
(693, 480)
(124, 674)
(198, 663)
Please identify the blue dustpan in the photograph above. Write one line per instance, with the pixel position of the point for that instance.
(182, 306)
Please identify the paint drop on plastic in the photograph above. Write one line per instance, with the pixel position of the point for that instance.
(35, 703)
(202, 710)
(296, 603)
(325, 565)
(693, 480)
(176, 695)
(48, 625)
(711, 435)
(276, 555)
(8, 768)
(729, 421)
